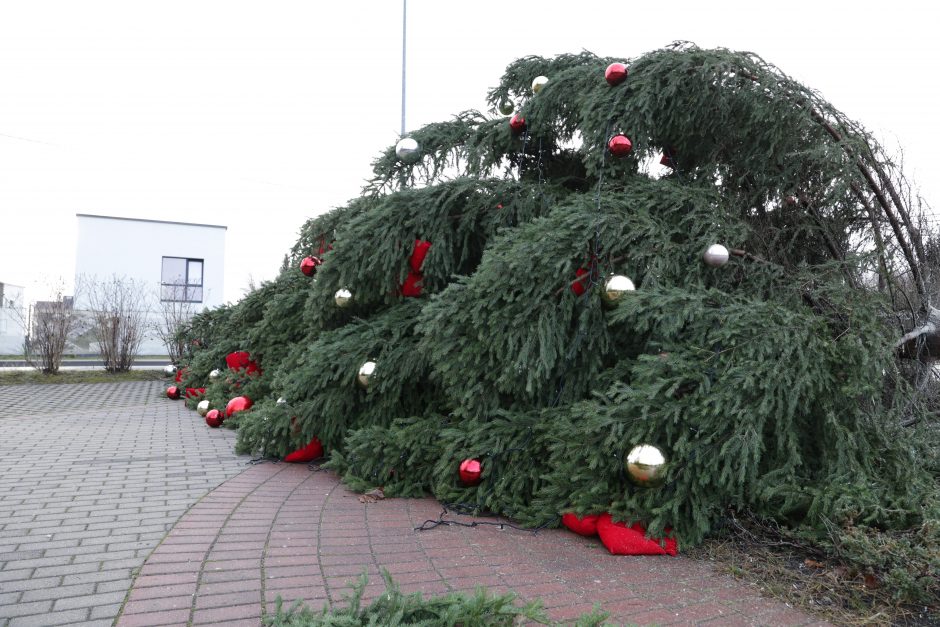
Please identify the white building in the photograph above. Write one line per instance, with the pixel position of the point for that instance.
(12, 319)
(179, 261)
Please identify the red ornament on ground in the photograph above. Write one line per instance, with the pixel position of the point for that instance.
(214, 418)
(517, 123)
(579, 287)
(312, 451)
(623, 540)
(615, 74)
(173, 393)
(237, 404)
(581, 525)
(470, 472)
(309, 265)
(620, 145)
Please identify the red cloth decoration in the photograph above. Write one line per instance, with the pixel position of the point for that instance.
(241, 360)
(195, 392)
(581, 525)
(237, 404)
(308, 453)
(173, 393)
(419, 253)
(413, 284)
(180, 373)
(622, 540)
(578, 286)
(214, 418)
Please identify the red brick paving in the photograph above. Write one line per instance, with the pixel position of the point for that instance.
(283, 530)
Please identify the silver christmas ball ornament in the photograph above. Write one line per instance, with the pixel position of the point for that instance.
(364, 377)
(716, 255)
(202, 408)
(538, 83)
(281, 400)
(169, 370)
(215, 374)
(506, 107)
(407, 149)
(615, 288)
(342, 297)
(646, 466)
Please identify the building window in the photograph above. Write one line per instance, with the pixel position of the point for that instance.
(181, 280)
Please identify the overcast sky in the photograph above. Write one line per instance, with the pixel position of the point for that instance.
(259, 115)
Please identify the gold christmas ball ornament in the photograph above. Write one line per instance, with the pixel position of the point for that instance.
(538, 83)
(342, 297)
(202, 408)
(366, 371)
(407, 149)
(506, 107)
(215, 374)
(169, 370)
(615, 288)
(716, 255)
(646, 466)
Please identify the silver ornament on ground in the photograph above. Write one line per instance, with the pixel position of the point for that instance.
(538, 83)
(506, 107)
(646, 466)
(716, 255)
(342, 297)
(407, 149)
(615, 288)
(215, 374)
(364, 377)
(169, 370)
(202, 408)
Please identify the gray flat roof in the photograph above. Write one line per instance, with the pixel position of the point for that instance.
(92, 215)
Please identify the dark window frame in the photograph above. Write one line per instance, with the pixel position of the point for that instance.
(187, 287)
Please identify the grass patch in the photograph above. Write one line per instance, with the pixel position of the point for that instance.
(394, 608)
(866, 577)
(33, 377)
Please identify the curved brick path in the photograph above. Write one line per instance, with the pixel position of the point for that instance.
(285, 530)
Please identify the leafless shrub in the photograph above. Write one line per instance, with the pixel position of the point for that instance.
(173, 314)
(118, 308)
(48, 327)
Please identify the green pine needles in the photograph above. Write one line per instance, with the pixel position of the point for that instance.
(777, 383)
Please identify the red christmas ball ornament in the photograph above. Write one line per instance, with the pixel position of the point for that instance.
(237, 404)
(620, 145)
(309, 265)
(517, 123)
(615, 74)
(579, 286)
(470, 472)
(173, 393)
(214, 418)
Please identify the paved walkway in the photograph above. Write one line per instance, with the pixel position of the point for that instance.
(92, 477)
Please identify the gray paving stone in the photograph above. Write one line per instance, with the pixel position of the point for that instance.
(91, 479)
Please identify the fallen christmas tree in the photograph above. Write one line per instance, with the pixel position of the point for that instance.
(476, 304)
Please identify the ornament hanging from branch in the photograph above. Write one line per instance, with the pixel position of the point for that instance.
(615, 288)
(716, 256)
(619, 145)
(342, 298)
(517, 124)
(364, 376)
(470, 472)
(309, 265)
(539, 83)
(506, 107)
(407, 149)
(615, 74)
(646, 466)
(215, 374)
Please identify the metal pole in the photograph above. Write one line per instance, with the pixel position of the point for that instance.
(404, 25)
